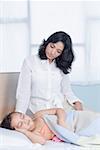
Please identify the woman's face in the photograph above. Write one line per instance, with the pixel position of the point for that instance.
(22, 121)
(53, 50)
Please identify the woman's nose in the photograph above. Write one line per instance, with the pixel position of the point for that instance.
(53, 52)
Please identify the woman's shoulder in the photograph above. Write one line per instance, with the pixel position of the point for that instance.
(65, 76)
(31, 59)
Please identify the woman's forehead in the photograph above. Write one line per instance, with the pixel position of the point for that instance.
(59, 45)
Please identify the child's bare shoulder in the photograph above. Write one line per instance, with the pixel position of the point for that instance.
(39, 122)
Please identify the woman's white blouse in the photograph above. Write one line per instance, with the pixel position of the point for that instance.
(42, 85)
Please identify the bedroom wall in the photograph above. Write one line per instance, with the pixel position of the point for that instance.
(90, 94)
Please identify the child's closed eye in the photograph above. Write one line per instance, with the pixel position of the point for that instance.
(19, 124)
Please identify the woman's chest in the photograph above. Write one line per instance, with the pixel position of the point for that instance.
(42, 76)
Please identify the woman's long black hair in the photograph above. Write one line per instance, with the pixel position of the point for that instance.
(64, 61)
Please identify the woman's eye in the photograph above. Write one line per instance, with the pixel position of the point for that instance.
(52, 46)
(59, 52)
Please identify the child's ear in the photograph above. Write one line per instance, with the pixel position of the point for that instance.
(16, 128)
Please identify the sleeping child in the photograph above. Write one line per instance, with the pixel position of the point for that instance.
(38, 129)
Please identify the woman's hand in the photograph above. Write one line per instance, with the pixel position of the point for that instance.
(78, 106)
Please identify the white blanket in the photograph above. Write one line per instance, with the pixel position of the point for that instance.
(89, 135)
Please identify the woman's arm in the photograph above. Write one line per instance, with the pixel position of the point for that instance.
(69, 95)
(24, 88)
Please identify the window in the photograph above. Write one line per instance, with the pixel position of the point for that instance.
(14, 35)
(24, 24)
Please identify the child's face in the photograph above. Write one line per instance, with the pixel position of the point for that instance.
(22, 121)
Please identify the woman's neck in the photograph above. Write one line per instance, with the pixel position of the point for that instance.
(50, 61)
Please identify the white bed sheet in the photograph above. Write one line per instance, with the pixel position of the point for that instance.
(50, 145)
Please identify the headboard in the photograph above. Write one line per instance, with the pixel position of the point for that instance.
(8, 84)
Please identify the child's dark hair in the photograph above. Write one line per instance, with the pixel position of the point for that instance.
(6, 123)
(64, 61)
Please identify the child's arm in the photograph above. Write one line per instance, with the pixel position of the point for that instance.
(61, 115)
(53, 111)
(35, 137)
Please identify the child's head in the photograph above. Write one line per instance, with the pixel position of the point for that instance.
(17, 120)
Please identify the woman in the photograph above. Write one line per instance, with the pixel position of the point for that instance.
(43, 81)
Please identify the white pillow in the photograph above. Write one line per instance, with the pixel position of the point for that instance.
(14, 138)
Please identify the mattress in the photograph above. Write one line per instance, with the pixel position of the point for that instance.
(13, 140)
(50, 145)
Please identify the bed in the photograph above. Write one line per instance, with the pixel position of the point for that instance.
(13, 140)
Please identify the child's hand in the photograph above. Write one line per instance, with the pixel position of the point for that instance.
(62, 123)
(21, 130)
